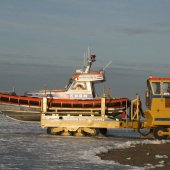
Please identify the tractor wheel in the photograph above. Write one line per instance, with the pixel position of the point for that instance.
(157, 133)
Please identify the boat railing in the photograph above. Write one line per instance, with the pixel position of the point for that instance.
(20, 100)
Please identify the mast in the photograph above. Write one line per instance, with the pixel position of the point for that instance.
(90, 59)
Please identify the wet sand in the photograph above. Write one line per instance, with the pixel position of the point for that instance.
(155, 156)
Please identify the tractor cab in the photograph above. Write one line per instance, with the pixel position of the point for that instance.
(158, 90)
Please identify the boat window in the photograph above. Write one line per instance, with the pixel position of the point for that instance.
(79, 86)
(156, 88)
(69, 83)
(166, 88)
(93, 90)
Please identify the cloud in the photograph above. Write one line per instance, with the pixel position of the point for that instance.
(135, 31)
(162, 24)
(140, 31)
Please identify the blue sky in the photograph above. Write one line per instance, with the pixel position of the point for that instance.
(58, 32)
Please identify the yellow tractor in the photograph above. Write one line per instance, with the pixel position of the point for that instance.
(158, 107)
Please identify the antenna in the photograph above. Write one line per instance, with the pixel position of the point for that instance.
(84, 59)
(107, 65)
(88, 51)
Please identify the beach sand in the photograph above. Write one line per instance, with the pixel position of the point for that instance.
(155, 156)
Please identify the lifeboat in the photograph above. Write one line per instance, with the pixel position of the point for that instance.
(79, 96)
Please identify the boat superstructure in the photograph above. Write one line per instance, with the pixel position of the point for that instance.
(80, 86)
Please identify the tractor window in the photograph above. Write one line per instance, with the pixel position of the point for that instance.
(156, 88)
(166, 88)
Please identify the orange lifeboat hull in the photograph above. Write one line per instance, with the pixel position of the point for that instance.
(29, 108)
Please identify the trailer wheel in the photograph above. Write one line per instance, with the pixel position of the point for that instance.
(49, 131)
(157, 133)
(94, 132)
(103, 131)
(97, 131)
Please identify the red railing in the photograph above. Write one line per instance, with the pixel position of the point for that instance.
(20, 100)
(68, 103)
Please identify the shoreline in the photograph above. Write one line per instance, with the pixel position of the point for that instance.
(150, 156)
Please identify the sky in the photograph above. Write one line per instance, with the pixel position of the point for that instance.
(58, 32)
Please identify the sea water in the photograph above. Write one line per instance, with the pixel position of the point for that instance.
(26, 146)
